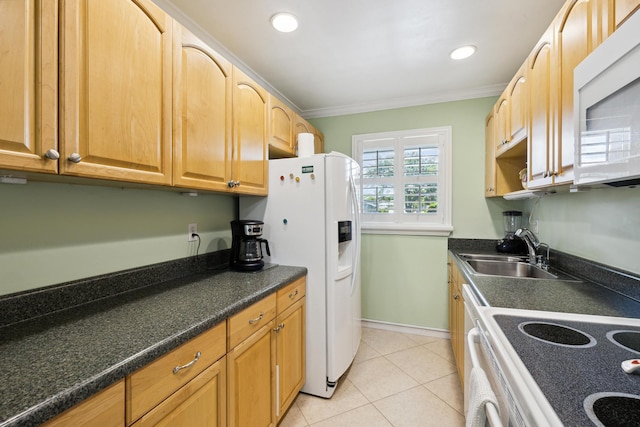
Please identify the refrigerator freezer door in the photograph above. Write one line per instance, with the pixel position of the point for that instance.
(307, 199)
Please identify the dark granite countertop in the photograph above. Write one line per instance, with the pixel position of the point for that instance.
(56, 360)
(592, 289)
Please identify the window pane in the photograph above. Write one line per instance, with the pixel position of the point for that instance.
(377, 163)
(421, 161)
(377, 199)
(421, 198)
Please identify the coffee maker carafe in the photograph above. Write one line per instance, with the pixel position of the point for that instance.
(510, 243)
(246, 245)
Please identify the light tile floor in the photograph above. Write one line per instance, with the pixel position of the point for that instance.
(396, 379)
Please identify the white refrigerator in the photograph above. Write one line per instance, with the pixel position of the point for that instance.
(311, 219)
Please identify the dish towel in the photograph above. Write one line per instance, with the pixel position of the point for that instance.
(480, 394)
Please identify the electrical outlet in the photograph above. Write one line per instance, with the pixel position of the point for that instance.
(193, 228)
(534, 226)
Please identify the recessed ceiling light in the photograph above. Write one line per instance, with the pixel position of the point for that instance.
(462, 52)
(284, 22)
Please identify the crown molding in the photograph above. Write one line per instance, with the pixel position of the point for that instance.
(436, 98)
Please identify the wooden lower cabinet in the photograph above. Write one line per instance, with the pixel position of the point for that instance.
(266, 370)
(201, 402)
(105, 409)
(149, 386)
(290, 344)
(251, 380)
(290, 355)
(456, 317)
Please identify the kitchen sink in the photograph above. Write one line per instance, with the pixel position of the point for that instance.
(494, 257)
(509, 268)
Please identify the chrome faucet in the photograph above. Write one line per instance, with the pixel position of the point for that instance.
(532, 243)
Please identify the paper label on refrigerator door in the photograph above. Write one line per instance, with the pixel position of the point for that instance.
(307, 169)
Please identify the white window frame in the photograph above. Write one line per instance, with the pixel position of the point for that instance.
(398, 222)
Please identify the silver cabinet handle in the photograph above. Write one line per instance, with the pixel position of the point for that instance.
(257, 319)
(188, 365)
(237, 183)
(293, 294)
(74, 157)
(52, 154)
(277, 328)
(231, 184)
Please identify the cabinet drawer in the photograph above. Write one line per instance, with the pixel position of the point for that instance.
(155, 382)
(249, 320)
(291, 293)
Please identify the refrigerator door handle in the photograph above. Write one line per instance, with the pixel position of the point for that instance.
(356, 220)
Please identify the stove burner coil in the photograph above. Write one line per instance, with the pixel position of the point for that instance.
(555, 334)
(609, 409)
(629, 340)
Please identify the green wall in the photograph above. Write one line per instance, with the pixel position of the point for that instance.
(52, 233)
(602, 225)
(404, 278)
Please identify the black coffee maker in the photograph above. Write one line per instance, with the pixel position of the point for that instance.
(246, 245)
(510, 243)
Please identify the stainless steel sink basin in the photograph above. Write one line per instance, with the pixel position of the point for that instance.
(494, 257)
(509, 268)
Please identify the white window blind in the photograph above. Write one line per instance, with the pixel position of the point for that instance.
(406, 181)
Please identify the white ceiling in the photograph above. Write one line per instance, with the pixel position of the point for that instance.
(351, 56)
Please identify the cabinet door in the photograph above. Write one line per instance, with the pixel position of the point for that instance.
(318, 141)
(250, 107)
(290, 355)
(200, 402)
(518, 105)
(623, 9)
(501, 122)
(251, 380)
(574, 37)
(28, 84)
(105, 409)
(489, 156)
(116, 90)
(540, 112)
(281, 127)
(202, 114)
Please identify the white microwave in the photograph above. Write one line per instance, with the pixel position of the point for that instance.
(607, 108)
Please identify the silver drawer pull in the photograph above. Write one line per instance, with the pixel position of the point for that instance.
(293, 294)
(188, 365)
(257, 319)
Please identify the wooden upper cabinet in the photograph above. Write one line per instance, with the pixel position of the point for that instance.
(202, 113)
(622, 9)
(518, 102)
(318, 141)
(116, 90)
(303, 126)
(574, 42)
(250, 111)
(502, 131)
(540, 76)
(281, 124)
(29, 85)
(489, 156)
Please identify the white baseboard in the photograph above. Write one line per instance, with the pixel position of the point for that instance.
(406, 329)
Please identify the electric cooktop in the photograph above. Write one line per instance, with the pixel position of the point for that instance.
(577, 365)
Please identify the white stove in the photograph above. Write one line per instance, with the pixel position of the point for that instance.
(561, 368)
